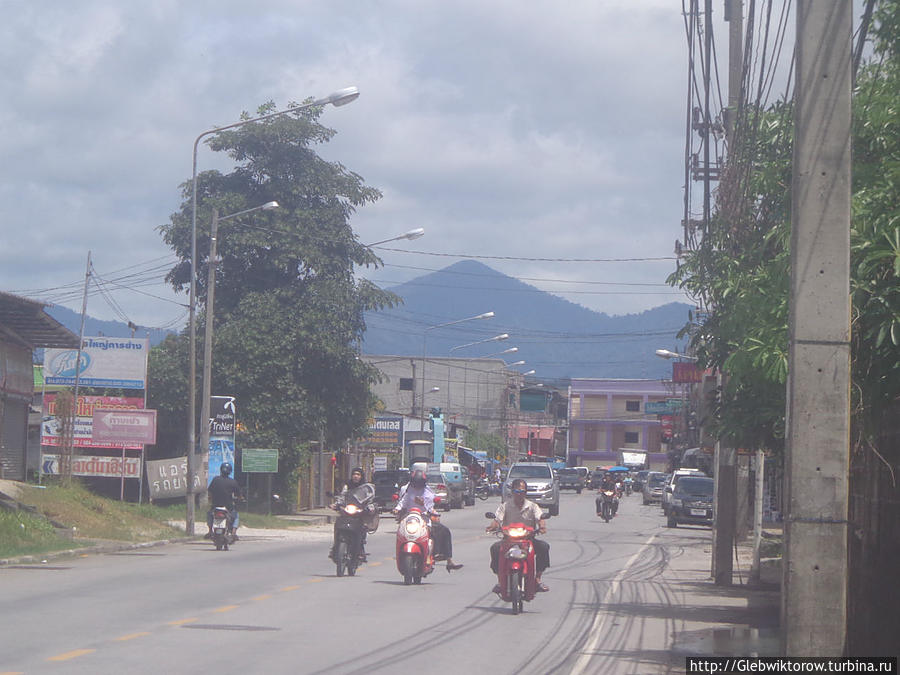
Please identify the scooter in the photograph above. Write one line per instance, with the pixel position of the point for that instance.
(516, 565)
(355, 520)
(415, 548)
(607, 499)
(483, 490)
(222, 528)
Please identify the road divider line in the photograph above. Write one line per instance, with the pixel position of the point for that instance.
(131, 636)
(226, 608)
(287, 589)
(12, 672)
(71, 655)
(316, 580)
(181, 622)
(596, 630)
(375, 564)
(260, 598)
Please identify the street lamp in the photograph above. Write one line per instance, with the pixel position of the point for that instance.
(477, 317)
(412, 234)
(337, 99)
(208, 324)
(496, 338)
(666, 354)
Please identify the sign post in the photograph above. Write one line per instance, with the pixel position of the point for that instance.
(260, 460)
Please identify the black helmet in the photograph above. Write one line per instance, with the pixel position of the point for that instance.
(225, 469)
(357, 470)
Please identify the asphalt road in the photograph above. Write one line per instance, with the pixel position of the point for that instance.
(273, 604)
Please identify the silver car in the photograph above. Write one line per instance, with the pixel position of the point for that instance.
(543, 488)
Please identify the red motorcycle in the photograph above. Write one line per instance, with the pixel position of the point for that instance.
(516, 568)
(415, 548)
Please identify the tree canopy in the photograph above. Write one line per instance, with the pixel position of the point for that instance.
(288, 306)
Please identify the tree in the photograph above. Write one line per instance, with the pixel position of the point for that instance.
(289, 309)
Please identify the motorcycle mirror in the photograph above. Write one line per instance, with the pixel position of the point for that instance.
(490, 515)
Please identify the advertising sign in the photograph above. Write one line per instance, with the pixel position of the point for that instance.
(105, 362)
(656, 407)
(221, 450)
(222, 427)
(84, 465)
(84, 423)
(257, 460)
(168, 478)
(124, 426)
(385, 431)
(666, 423)
(686, 372)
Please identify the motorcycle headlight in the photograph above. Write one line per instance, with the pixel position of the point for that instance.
(412, 526)
(517, 532)
(516, 553)
(351, 509)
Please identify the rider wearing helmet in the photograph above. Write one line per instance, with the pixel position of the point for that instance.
(223, 490)
(417, 494)
(357, 478)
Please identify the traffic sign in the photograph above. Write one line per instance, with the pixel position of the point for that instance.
(124, 426)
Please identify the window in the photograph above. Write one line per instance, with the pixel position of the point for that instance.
(632, 406)
(632, 437)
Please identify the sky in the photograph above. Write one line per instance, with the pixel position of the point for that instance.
(510, 131)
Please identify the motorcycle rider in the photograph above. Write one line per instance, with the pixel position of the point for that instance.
(222, 491)
(607, 483)
(357, 478)
(416, 493)
(519, 509)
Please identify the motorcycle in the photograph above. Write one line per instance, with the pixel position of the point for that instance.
(607, 504)
(516, 564)
(415, 548)
(356, 518)
(483, 490)
(223, 528)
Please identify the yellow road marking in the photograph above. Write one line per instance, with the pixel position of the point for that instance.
(314, 581)
(262, 597)
(12, 672)
(375, 564)
(71, 655)
(290, 588)
(181, 622)
(226, 608)
(131, 636)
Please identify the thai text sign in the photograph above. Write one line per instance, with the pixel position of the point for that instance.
(259, 460)
(656, 407)
(95, 466)
(221, 416)
(125, 426)
(385, 431)
(686, 372)
(84, 420)
(168, 478)
(105, 362)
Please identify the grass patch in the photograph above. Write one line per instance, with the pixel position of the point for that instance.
(22, 533)
(96, 517)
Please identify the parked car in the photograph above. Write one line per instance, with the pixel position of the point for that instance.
(691, 502)
(542, 488)
(653, 487)
(453, 478)
(435, 481)
(570, 479)
(639, 478)
(585, 474)
(672, 481)
(387, 484)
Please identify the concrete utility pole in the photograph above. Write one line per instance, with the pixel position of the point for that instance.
(814, 589)
(725, 526)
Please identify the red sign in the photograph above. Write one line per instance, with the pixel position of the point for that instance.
(684, 372)
(84, 411)
(124, 426)
(666, 423)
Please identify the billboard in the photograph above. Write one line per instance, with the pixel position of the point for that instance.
(385, 431)
(85, 465)
(125, 426)
(105, 362)
(168, 478)
(84, 424)
(685, 372)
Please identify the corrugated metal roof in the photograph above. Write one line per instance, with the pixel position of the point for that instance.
(26, 321)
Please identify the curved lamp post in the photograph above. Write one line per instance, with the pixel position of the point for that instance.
(496, 338)
(477, 317)
(666, 354)
(208, 327)
(412, 234)
(338, 98)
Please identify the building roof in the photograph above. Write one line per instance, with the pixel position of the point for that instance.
(26, 321)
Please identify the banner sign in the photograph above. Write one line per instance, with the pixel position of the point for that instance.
(259, 460)
(386, 431)
(656, 407)
(685, 372)
(221, 416)
(84, 423)
(666, 423)
(125, 426)
(84, 465)
(105, 362)
(167, 478)
(221, 450)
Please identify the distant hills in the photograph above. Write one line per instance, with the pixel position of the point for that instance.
(557, 338)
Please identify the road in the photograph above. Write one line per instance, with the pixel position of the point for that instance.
(273, 604)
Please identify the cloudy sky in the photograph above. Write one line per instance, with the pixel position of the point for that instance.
(506, 129)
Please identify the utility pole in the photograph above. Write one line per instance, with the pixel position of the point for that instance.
(814, 585)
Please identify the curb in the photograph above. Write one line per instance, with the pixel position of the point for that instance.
(96, 549)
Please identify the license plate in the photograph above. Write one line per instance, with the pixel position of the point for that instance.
(698, 512)
(219, 524)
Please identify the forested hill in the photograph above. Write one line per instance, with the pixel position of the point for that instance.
(555, 337)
